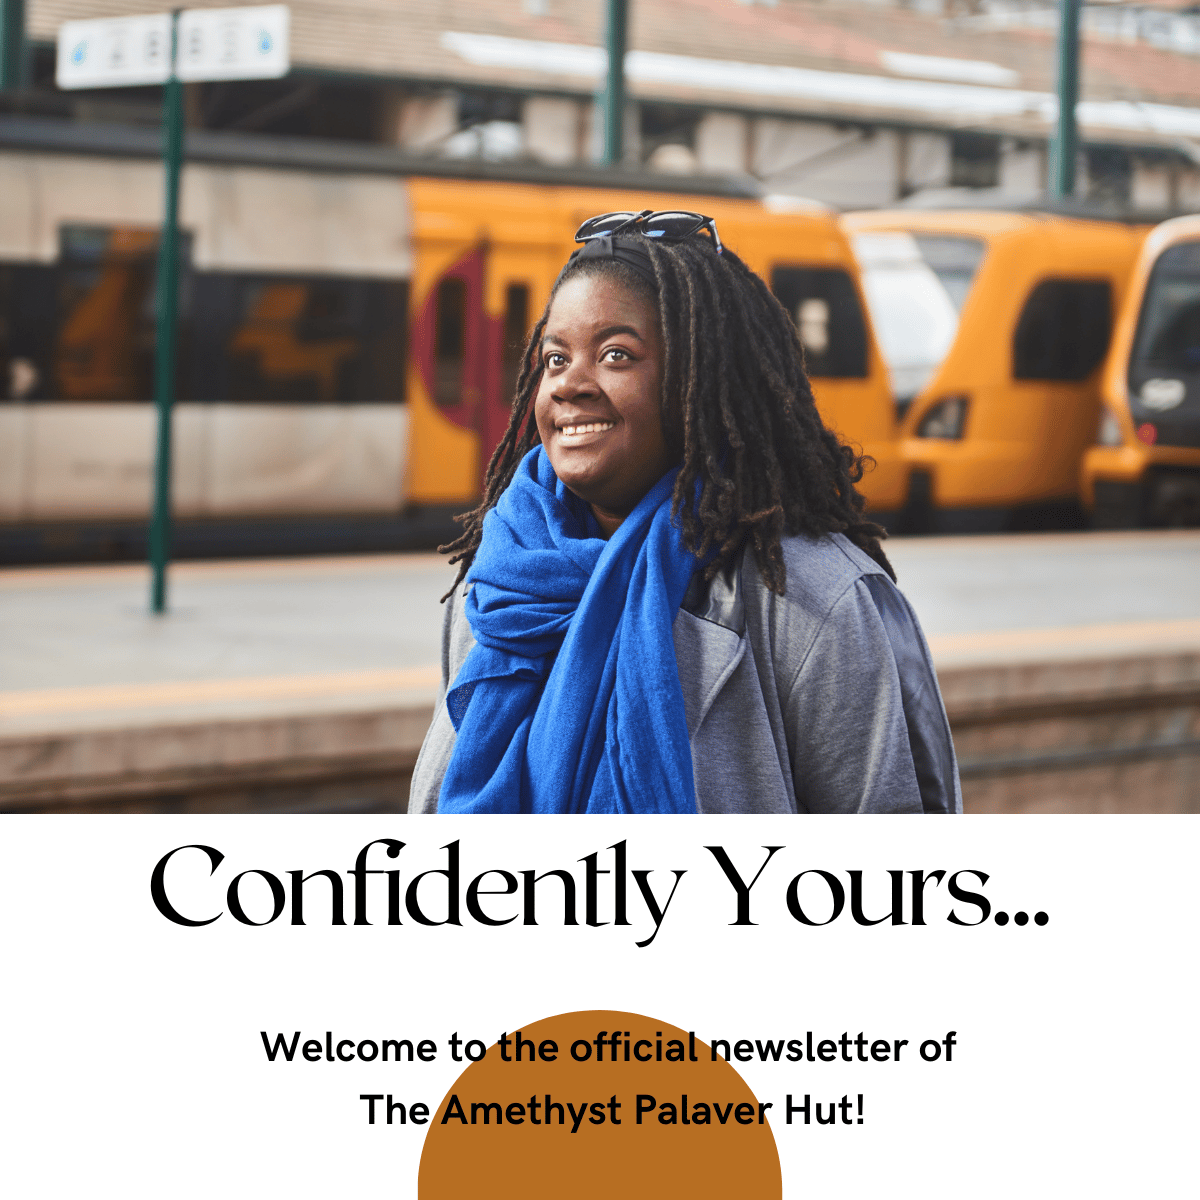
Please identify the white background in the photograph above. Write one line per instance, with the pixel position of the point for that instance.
(133, 1063)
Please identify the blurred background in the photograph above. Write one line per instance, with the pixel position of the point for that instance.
(999, 303)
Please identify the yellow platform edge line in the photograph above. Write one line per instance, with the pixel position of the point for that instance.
(144, 695)
(1116, 634)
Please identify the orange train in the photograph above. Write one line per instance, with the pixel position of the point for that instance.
(1144, 468)
(348, 341)
(995, 326)
(486, 258)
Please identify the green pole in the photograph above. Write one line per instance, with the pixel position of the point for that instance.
(164, 332)
(614, 90)
(1066, 137)
(12, 45)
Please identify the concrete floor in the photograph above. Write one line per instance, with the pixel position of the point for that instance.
(78, 626)
(77, 645)
(1039, 581)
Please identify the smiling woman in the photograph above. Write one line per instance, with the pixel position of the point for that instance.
(673, 602)
(598, 409)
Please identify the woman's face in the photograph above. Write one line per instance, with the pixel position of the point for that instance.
(598, 404)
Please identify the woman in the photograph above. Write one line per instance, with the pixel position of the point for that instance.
(673, 601)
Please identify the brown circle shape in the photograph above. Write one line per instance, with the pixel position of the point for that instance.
(630, 1160)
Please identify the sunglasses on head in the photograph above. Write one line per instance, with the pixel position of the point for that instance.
(669, 226)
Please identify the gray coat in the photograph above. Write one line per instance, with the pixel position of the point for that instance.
(820, 700)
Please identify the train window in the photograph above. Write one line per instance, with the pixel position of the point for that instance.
(916, 285)
(306, 340)
(1168, 337)
(85, 329)
(27, 306)
(824, 305)
(954, 260)
(385, 351)
(1064, 329)
(104, 342)
(294, 343)
(449, 341)
(516, 330)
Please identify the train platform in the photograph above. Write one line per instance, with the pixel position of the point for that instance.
(1070, 664)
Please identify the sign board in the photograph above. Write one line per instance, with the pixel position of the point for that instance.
(233, 43)
(117, 52)
(214, 43)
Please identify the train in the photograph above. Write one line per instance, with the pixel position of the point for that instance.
(352, 323)
(996, 327)
(1144, 465)
(349, 335)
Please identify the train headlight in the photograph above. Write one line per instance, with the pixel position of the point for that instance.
(1108, 433)
(946, 419)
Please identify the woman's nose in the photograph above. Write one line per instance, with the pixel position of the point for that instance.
(577, 380)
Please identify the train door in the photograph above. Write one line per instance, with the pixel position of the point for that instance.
(449, 346)
(1059, 342)
(468, 335)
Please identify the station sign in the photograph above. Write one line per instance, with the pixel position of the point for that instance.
(213, 44)
(113, 53)
(233, 43)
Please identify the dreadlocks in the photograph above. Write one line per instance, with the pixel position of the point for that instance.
(757, 460)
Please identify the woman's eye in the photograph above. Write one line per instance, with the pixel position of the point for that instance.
(554, 360)
(616, 354)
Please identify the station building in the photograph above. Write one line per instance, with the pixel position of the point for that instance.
(853, 103)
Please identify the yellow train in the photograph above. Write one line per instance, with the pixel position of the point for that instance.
(486, 258)
(1145, 465)
(350, 333)
(348, 342)
(995, 327)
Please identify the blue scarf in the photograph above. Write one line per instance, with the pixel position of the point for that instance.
(570, 700)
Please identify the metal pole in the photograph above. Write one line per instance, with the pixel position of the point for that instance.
(1066, 138)
(12, 45)
(164, 333)
(614, 90)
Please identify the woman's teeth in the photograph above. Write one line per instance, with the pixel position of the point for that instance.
(594, 427)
